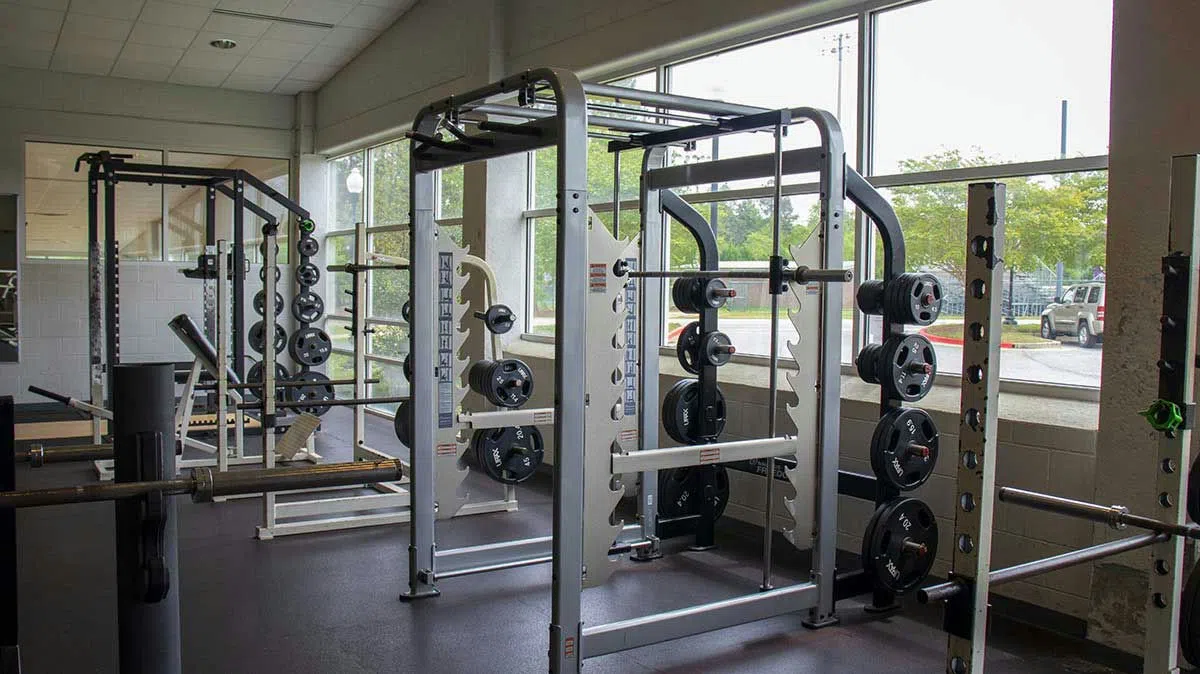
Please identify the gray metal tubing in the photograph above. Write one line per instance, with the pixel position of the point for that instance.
(285, 384)
(355, 268)
(944, 591)
(1115, 516)
(344, 402)
(795, 162)
(614, 123)
(205, 483)
(773, 372)
(671, 101)
(625, 110)
(532, 561)
(799, 275)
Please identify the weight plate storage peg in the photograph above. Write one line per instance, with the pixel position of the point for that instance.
(317, 389)
(913, 299)
(506, 383)
(498, 318)
(904, 448)
(402, 424)
(260, 300)
(905, 365)
(308, 246)
(307, 274)
(900, 545)
(680, 490)
(307, 307)
(310, 346)
(255, 376)
(508, 455)
(257, 341)
(681, 412)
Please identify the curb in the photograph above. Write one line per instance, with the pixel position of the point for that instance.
(938, 339)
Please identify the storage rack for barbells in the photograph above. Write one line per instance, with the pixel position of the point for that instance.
(148, 619)
(1168, 628)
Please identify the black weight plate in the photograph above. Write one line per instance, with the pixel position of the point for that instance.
(262, 274)
(402, 424)
(906, 367)
(680, 490)
(913, 299)
(1189, 617)
(307, 307)
(308, 246)
(867, 363)
(683, 293)
(310, 346)
(408, 370)
(681, 412)
(506, 383)
(256, 337)
(712, 293)
(255, 376)
(904, 448)
(318, 390)
(260, 299)
(717, 348)
(508, 455)
(901, 545)
(406, 311)
(687, 347)
(498, 318)
(307, 274)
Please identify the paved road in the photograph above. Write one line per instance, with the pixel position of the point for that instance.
(1068, 364)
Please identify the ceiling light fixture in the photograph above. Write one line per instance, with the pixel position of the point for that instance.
(223, 43)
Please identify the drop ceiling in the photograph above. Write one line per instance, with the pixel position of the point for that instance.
(283, 46)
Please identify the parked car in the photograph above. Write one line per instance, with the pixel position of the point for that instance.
(1079, 312)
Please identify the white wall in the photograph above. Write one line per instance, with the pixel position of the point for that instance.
(51, 106)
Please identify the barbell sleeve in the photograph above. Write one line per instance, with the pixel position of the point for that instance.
(38, 455)
(1116, 516)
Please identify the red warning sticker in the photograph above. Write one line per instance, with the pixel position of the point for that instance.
(598, 277)
(447, 449)
(712, 455)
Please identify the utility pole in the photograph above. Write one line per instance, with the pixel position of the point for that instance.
(842, 44)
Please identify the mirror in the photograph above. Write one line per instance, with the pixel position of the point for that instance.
(8, 278)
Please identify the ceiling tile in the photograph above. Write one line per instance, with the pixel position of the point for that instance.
(278, 49)
(146, 53)
(344, 36)
(81, 26)
(113, 9)
(24, 58)
(370, 16)
(90, 47)
(174, 14)
(324, 11)
(292, 33)
(234, 26)
(330, 55)
(276, 68)
(78, 63)
(60, 5)
(292, 87)
(257, 6)
(140, 70)
(315, 72)
(162, 36)
(30, 18)
(27, 39)
(251, 82)
(198, 76)
(200, 3)
(207, 58)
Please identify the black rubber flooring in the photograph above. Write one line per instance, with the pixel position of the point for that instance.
(327, 603)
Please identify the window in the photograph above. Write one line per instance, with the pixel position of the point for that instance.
(56, 205)
(1094, 295)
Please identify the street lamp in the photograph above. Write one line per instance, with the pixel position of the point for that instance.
(354, 181)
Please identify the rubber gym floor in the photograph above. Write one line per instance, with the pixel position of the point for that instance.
(327, 603)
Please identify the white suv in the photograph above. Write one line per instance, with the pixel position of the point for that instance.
(1079, 312)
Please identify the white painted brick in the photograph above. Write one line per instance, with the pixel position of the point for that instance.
(1023, 466)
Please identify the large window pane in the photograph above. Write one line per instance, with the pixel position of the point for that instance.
(389, 184)
(347, 173)
(542, 278)
(1054, 241)
(56, 205)
(338, 250)
(600, 174)
(389, 288)
(934, 100)
(450, 187)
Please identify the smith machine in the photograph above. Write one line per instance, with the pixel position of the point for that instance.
(609, 300)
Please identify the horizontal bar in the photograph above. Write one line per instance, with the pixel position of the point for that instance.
(944, 591)
(653, 629)
(517, 563)
(166, 169)
(690, 134)
(1115, 516)
(797, 275)
(994, 171)
(204, 484)
(805, 160)
(182, 181)
(342, 402)
(655, 99)
(489, 554)
(38, 455)
(697, 455)
(356, 268)
(614, 123)
(502, 418)
(284, 384)
(340, 505)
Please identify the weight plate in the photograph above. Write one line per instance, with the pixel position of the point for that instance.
(867, 363)
(308, 246)
(307, 307)
(904, 448)
(260, 298)
(870, 297)
(507, 382)
(687, 347)
(262, 274)
(407, 367)
(901, 545)
(713, 293)
(310, 346)
(683, 294)
(906, 367)
(498, 318)
(717, 348)
(406, 311)
(913, 299)
(255, 376)
(318, 390)
(681, 412)
(256, 337)
(1189, 617)
(681, 490)
(509, 455)
(262, 249)
(307, 274)
(402, 424)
